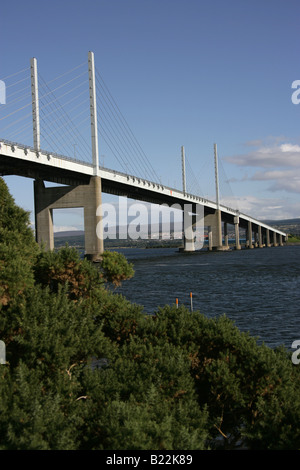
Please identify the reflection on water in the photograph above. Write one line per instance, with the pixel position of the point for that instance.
(258, 289)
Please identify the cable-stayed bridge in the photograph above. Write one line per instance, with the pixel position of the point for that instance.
(59, 123)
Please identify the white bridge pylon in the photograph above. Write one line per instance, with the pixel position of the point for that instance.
(85, 183)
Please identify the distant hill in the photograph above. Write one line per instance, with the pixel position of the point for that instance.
(286, 225)
(289, 225)
(76, 237)
(283, 222)
(69, 233)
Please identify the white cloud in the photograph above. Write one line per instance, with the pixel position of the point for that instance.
(279, 163)
(264, 208)
(289, 148)
(286, 180)
(268, 155)
(275, 164)
(66, 228)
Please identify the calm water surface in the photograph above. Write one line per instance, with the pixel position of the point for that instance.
(258, 289)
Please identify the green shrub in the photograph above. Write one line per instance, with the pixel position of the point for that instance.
(86, 369)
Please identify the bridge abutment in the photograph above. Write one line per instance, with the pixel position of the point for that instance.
(62, 197)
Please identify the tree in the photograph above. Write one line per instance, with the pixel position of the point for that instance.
(251, 390)
(115, 268)
(18, 249)
(66, 267)
(86, 369)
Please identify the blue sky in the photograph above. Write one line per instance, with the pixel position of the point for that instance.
(183, 72)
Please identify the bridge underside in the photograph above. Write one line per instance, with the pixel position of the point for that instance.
(83, 190)
(39, 171)
(88, 196)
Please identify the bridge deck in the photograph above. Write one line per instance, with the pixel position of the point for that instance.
(18, 159)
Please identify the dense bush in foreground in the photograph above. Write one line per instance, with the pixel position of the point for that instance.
(86, 369)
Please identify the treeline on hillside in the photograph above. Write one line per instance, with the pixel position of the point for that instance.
(86, 369)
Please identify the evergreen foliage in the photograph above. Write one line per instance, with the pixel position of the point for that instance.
(115, 268)
(86, 369)
(18, 249)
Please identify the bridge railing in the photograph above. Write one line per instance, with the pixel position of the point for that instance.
(134, 178)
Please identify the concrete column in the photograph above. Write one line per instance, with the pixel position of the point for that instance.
(189, 220)
(274, 239)
(93, 228)
(188, 234)
(215, 232)
(210, 238)
(268, 237)
(260, 243)
(280, 240)
(87, 196)
(249, 235)
(219, 230)
(226, 241)
(43, 218)
(237, 233)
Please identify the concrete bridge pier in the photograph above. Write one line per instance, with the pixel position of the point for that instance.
(210, 238)
(280, 240)
(190, 216)
(249, 243)
(260, 240)
(237, 232)
(226, 237)
(61, 197)
(188, 237)
(214, 224)
(268, 237)
(256, 238)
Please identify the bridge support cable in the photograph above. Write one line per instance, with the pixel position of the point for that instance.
(113, 146)
(59, 132)
(110, 133)
(226, 192)
(112, 125)
(66, 73)
(191, 183)
(193, 186)
(14, 115)
(66, 132)
(14, 74)
(64, 128)
(132, 150)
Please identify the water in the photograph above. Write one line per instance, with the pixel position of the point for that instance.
(258, 289)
